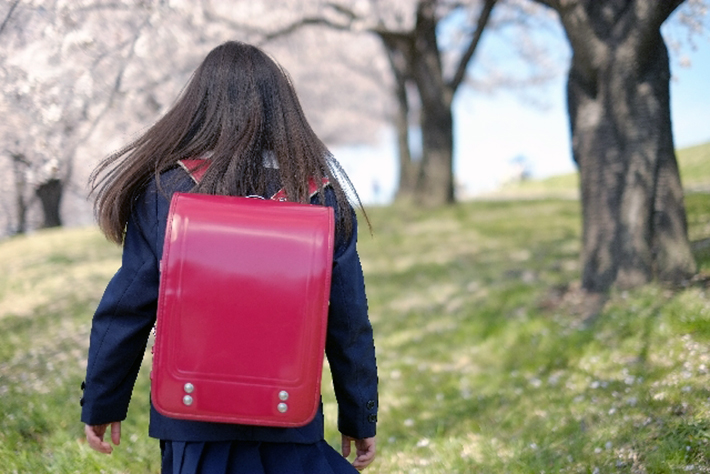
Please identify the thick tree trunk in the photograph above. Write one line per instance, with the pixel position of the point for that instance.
(634, 225)
(50, 194)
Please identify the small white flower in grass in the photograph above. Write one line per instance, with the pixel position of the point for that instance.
(608, 445)
(423, 443)
(409, 422)
(595, 471)
(612, 411)
(597, 450)
(533, 445)
(632, 401)
(535, 382)
(686, 389)
(391, 439)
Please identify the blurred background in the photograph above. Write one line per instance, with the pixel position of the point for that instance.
(80, 79)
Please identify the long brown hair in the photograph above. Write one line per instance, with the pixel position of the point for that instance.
(238, 107)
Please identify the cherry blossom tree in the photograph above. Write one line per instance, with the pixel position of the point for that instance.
(634, 221)
(65, 66)
(79, 78)
(425, 74)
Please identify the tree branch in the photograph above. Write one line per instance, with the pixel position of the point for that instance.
(583, 40)
(103, 6)
(352, 16)
(554, 4)
(649, 16)
(117, 82)
(475, 39)
(213, 17)
(287, 30)
(308, 21)
(656, 12)
(7, 17)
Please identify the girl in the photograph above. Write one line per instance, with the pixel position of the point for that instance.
(241, 113)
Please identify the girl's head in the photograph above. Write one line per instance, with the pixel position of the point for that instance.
(239, 104)
(238, 108)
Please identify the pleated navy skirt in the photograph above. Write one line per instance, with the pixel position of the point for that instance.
(251, 457)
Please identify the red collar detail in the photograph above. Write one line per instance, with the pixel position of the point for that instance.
(313, 189)
(197, 167)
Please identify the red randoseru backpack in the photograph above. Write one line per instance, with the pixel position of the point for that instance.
(242, 309)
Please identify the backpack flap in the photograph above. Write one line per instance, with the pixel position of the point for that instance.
(242, 310)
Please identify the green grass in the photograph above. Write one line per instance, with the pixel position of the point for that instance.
(484, 363)
(694, 164)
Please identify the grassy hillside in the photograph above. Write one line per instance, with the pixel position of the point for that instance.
(485, 365)
(694, 163)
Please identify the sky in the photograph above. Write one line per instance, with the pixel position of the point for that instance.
(492, 130)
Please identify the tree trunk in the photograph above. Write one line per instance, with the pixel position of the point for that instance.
(399, 50)
(21, 207)
(634, 224)
(435, 183)
(416, 59)
(50, 194)
(19, 166)
(408, 168)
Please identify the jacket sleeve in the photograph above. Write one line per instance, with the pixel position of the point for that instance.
(123, 321)
(349, 344)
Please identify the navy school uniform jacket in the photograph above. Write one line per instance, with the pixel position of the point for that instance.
(126, 315)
